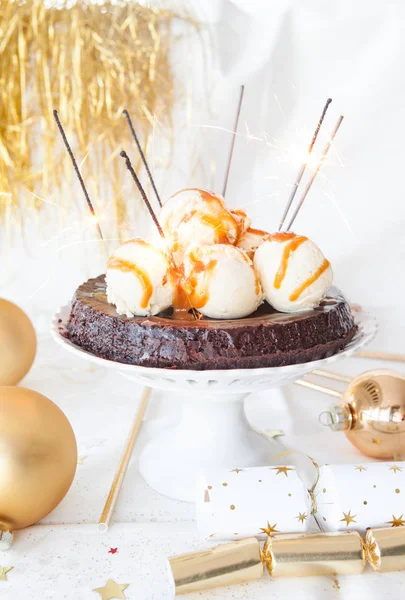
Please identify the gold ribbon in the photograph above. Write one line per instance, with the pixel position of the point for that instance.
(266, 555)
(371, 553)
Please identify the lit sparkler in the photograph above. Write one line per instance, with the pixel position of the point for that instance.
(304, 165)
(77, 171)
(316, 171)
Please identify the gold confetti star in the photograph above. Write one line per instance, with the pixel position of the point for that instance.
(395, 468)
(376, 441)
(269, 529)
(81, 459)
(236, 471)
(112, 590)
(360, 468)
(281, 470)
(397, 521)
(3, 572)
(301, 517)
(348, 518)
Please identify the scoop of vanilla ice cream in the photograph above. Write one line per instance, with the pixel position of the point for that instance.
(251, 239)
(293, 272)
(221, 281)
(137, 279)
(194, 216)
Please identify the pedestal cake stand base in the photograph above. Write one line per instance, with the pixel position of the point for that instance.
(213, 432)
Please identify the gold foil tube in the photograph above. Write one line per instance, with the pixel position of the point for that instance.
(317, 554)
(385, 548)
(227, 564)
(119, 476)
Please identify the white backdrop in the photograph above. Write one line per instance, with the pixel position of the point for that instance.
(291, 56)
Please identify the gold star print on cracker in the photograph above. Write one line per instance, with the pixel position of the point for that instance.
(281, 470)
(3, 572)
(111, 590)
(348, 518)
(301, 517)
(397, 521)
(360, 468)
(269, 529)
(395, 468)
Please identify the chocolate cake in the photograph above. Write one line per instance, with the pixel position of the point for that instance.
(266, 338)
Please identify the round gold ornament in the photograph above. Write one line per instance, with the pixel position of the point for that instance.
(373, 417)
(18, 343)
(38, 457)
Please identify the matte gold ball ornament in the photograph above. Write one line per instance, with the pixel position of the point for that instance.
(18, 343)
(38, 457)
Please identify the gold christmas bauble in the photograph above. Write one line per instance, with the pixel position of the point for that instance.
(38, 457)
(18, 343)
(373, 417)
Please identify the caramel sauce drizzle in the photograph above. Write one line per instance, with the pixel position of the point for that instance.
(181, 300)
(235, 218)
(298, 291)
(260, 232)
(294, 243)
(199, 300)
(185, 296)
(128, 267)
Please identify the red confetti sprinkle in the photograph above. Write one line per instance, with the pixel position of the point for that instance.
(112, 550)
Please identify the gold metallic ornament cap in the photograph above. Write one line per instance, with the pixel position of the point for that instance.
(227, 564)
(385, 548)
(6, 539)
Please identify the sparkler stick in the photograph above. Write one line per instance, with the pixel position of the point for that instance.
(304, 165)
(315, 173)
(79, 176)
(235, 130)
(145, 164)
(142, 192)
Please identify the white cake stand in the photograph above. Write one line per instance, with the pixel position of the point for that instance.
(213, 430)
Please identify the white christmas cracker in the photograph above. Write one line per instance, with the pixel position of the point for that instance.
(355, 497)
(238, 503)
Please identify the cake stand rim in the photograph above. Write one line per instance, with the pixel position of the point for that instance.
(367, 324)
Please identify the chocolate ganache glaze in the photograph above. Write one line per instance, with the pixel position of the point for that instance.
(266, 338)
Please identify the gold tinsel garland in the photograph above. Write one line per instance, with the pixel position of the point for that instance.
(90, 61)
